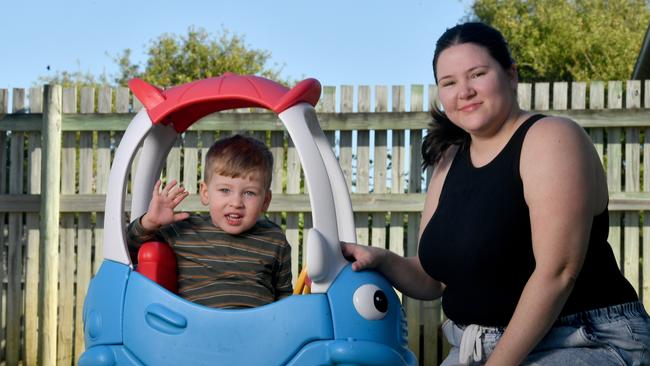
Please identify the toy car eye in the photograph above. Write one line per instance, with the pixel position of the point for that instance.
(371, 302)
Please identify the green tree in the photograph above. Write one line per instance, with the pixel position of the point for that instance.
(77, 78)
(571, 40)
(127, 70)
(175, 59)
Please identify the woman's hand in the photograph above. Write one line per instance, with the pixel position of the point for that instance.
(405, 274)
(364, 257)
(162, 205)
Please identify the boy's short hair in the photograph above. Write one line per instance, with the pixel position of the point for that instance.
(239, 156)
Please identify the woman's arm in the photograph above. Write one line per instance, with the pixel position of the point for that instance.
(564, 187)
(407, 274)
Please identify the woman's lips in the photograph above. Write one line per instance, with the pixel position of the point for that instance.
(470, 107)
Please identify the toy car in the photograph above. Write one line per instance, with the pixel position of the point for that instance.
(350, 318)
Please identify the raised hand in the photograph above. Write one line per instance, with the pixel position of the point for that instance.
(162, 205)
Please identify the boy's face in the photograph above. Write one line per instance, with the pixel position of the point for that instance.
(235, 204)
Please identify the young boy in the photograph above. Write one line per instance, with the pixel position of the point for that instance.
(230, 258)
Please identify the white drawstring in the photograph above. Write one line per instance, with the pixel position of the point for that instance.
(471, 347)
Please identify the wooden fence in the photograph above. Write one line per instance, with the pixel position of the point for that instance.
(376, 134)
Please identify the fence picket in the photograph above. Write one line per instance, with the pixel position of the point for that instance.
(645, 290)
(396, 233)
(190, 161)
(632, 184)
(67, 263)
(614, 182)
(633, 94)
(173, 164)
(35, 99)
(614, 165)
(597, 102)
(32, 227)
(15, 243)
(363, 166)
(541, 96)
(122, 100)
(207, 139)
(277, 150)
(379, 169)
(4, 156)
(631, 218)
(578, 95)
(614, 94)
(67, 252)
(414, 307)
(85, 238)
(49, 225)
(32, 253)
(525, 95)
(104, 99)
(560, 97)
(104, 158)
(345, 136)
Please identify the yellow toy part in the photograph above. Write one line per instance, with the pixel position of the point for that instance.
(303, 283)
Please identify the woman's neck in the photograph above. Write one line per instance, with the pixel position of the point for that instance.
(486, 146)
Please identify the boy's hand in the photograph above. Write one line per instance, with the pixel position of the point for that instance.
(162, 205)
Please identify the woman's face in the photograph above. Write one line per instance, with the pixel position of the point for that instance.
(477, 94)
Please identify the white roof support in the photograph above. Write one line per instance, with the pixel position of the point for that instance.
(324, 176)
(154, 152)
(114, 214)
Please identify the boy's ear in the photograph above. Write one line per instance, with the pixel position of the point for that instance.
(267, 200)
(203, 192)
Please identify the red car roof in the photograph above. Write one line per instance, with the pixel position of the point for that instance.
(185, 104)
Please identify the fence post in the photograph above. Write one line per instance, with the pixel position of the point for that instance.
(50, 188)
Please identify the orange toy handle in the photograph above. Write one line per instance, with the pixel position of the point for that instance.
(303, 284)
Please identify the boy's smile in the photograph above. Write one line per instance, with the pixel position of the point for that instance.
(235, 204)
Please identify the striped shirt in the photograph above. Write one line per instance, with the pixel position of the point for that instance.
(221, 270)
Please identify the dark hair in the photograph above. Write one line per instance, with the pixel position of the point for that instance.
(239, 156)
(442, 132)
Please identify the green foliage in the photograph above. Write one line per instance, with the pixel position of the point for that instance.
(570, 40)
(177, 59)
(77, 78)
(128, 70)
(197, 55)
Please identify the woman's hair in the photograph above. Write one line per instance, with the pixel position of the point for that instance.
(442, 132)
(239, 156)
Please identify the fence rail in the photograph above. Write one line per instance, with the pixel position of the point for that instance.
(375, 132)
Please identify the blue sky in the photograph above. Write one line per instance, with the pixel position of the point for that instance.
(353, 42)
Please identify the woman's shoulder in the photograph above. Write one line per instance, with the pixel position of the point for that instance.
(557, 128)
(557, 143)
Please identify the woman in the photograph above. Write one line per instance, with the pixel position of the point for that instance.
(514, 229)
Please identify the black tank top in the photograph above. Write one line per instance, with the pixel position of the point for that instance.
(478, 243)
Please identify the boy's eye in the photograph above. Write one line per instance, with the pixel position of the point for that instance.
(224, 190)
(250, 194)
